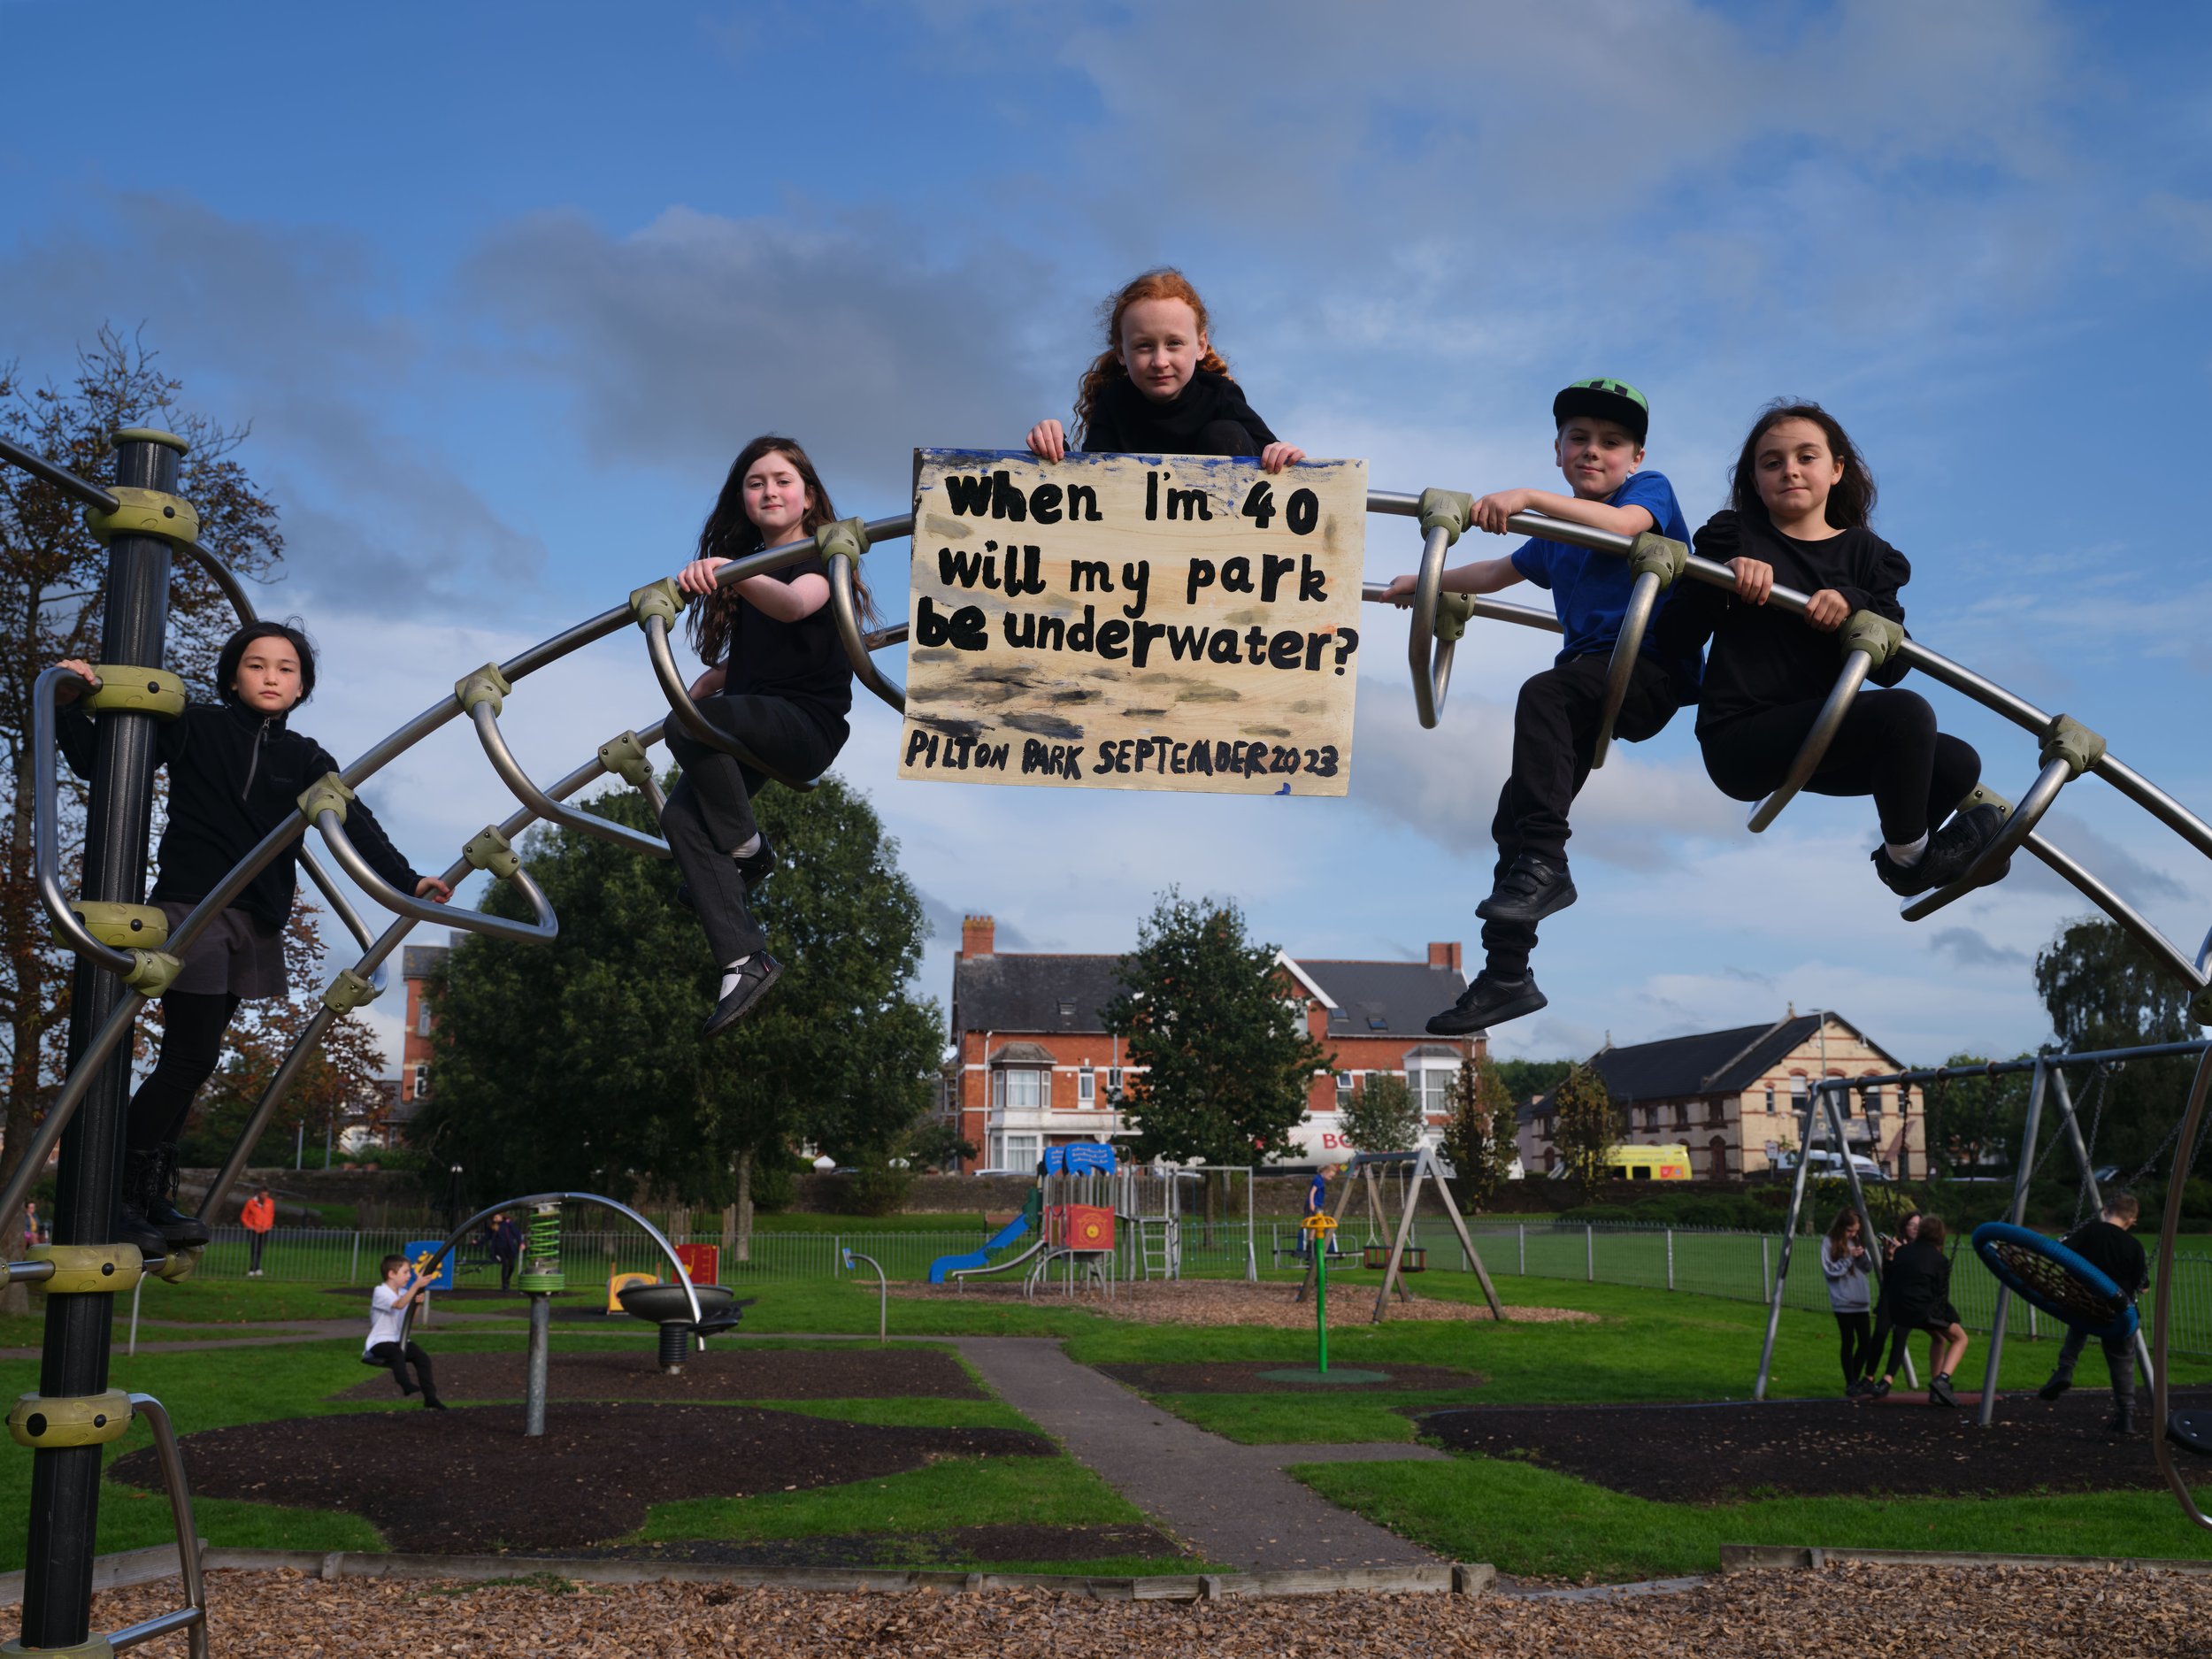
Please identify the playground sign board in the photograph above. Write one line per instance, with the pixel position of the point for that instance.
(1134, 622)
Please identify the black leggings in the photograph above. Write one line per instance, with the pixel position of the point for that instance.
(192, 1028)
(392, 1355)
(1857, 1330)
(1888, 747)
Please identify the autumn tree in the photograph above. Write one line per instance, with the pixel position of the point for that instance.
(1482, 1139)
(1588, 1133)
(1382, 1114)
(52, 574)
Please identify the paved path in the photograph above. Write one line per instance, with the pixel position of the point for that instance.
(1232, 1503)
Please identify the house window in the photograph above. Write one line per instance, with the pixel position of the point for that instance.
(1872, 1100)
(1067, 1007)
(1343, 1090)
(422, 1020)
(1682, 1114)
(422, 1082)
(1715, 1113)
(1015, 1154)
(1087, 1087)
(1431, 1089)
(1113, 1082)
(1800, 1092)
(1770, 1099)
(1377, 1022)
(1021, 1088)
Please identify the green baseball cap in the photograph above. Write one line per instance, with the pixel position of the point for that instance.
(1605, 400)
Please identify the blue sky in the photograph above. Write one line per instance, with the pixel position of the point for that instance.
(502, 290)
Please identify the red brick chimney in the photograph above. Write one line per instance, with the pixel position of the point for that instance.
(1443, 953)
(979, 934)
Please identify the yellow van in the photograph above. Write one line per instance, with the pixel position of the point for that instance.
(1649, 1163)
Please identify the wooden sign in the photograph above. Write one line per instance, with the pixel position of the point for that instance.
(1134, 622)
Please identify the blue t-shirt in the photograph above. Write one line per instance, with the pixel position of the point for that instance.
(1589, 590)
(1317, 1194)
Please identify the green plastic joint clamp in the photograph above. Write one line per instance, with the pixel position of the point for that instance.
(152, 973)
(176, 1267)
(1871, 633)
(1453, 613)
(91, 1648)
(846, 539)
(127, 690)
(1447, 509)
(490, 850)
(663, 599)
(1982, 795)
(327, 793)
(40, 1421)
(121, 926)
(485, 685)
(85, 1270)
(2067, 739)
(150, 434)
(144, 513)
(626, 758)
(1652, 554)
(348, 991)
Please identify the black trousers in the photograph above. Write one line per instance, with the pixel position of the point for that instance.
(709, 811)
(390, 1354)
(1555, 731)
(255, 1241)
(1888, 747)
(192, 1028)
(1857, 1331)
(2119, 1361)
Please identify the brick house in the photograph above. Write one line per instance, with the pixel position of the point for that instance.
(1032, 1064)
(1733, 1097)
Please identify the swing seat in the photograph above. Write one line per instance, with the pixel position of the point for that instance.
(2191, 1430)
(1416, 1259)
(2061, 1284)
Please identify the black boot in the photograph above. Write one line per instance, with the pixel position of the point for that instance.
(1488, 1001)
(1939, 1390)
(1531, 889)
(2059, 1383)
(131, 1224)
(185, 1233)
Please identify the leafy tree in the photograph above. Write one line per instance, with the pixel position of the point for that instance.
(1525, 1079)
(2103, 990)
(1226, 1057)
(580, 1064)
(1382, 1116)
(52, 577)
(931, 1143)
(1974, 1121)
(1588, 1131)
(1482, 1139)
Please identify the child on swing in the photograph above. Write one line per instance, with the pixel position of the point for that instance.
(1800, 497)
(1160, 388)
(236, 771)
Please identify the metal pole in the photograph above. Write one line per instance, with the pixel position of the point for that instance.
(65, 1481)
(2072, 1125)
(1789, 1243)
(1524, 1263)
(534, 1387)
(353, 1267)
(1766, 1266)
(136, 1290)
(1589, 1254)
(1669, 1258)
(1986, 1413)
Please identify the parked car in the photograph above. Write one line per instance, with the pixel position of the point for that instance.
(1828, 1165)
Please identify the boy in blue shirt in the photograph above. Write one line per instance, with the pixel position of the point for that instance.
(1602, 426)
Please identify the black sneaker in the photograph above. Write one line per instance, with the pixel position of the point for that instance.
(1488, 1001)
(1953, 848)
(1939, 1390)
(2058, 1385)
(1860, 1386)
(760, 971)
(1878, 1389)
(1905, 880)
(1531, 889)
(432, 1403)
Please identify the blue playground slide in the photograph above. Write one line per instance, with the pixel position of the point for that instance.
(1005, 1235)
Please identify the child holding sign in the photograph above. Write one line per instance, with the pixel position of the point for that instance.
(778, 681)
(1160, 388)
(1600, 425)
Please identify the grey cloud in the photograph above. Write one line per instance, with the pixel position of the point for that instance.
(2140, 883)
(944, 923)
(1969, 949)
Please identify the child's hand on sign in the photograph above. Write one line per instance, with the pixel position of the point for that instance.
(1278, 455)
(1048, 441)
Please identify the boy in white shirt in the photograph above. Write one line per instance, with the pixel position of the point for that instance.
(387, 1307)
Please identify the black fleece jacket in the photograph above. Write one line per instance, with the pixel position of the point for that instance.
(1761, 655)
(234, 776)
(1918, 1281)
(2114, 1251)
(1126, 422)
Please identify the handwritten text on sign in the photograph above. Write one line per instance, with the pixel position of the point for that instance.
(1134, 622)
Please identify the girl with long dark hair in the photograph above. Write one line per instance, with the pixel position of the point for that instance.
(776, 681)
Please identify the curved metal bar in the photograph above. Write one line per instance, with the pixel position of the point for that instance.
(2163, 1293)
(29, 1272)
(876, 639)
(1491, 610)
(61, 477)
(2119, 909)
(193, 1616)
(220, 574)
(845, 607)
(691, 1296)
(1430, 658)
(2155, 801)
(336, 897)
(1628, 644)
(1814, 750)
(46, 831)
(542, 931)
(518, 782)
(2032, 806)
(1964, 680)
(696, 725)
(48, 1134)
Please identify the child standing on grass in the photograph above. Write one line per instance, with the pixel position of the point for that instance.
(387, 1309)
(1800, 497)
(1160, 388)
(1599, 431)
(1843, 1260)
(2107, 1245)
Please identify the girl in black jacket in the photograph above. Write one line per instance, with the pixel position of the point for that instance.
(1160, 388)
(1918, 1297)
(235, 772)
(1801, 499)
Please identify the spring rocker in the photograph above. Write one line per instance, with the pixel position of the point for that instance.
(1183, 513)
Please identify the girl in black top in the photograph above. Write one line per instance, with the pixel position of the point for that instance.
(1801, 499)
(1160, 388)
(779, 682)
(1918, 1297)
(237, 771)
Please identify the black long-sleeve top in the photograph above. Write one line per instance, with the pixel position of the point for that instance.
(1918, 1281)
(1762, 655)
(1126, 422)
(234, 776)
(2113, 1251)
